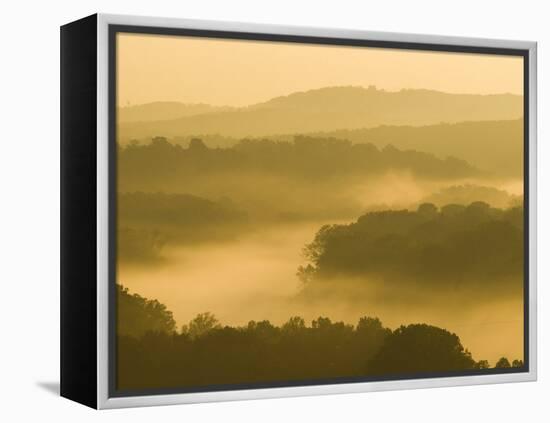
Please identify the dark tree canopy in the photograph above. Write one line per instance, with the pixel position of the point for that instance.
(200, 325)
(152, 166)
(517, 363)
(420, 348)
(137, 315)
(503, 363)
(151, 354)
(434, 247)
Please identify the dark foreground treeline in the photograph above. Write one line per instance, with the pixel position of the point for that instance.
(152, 354)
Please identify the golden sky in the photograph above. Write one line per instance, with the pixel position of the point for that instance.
(239, 73)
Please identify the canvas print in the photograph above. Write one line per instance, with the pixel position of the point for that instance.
(292, 213)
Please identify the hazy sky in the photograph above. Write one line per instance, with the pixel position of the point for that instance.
(238, 73)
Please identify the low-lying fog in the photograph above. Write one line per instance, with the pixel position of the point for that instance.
(254, 278)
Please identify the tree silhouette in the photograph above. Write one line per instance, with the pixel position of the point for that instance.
(162, 165)
(482, 364)
(420, 348)
(503, 363)
(517, 363)
(200, 325)
(294, 325)
(207, 353)
(197, 145)
(428, 210)
(137, 315)
(451, 247)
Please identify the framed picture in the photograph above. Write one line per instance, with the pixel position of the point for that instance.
(254, 211)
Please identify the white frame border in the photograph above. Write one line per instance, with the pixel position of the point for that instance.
(103, 400)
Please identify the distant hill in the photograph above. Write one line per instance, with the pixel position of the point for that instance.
(164, 110)
(332, 108)
(495, 146)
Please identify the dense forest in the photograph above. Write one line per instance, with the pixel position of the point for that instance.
(443, 248)
(306, 179)
(323, 174)
(154, 164)
(493, 146)
(153, 353)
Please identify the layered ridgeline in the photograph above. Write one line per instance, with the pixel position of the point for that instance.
(171, 194)
(325, 109)
(402, 200)
(162, 165)
(485, 130)
(495, 146)
(307, 178)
